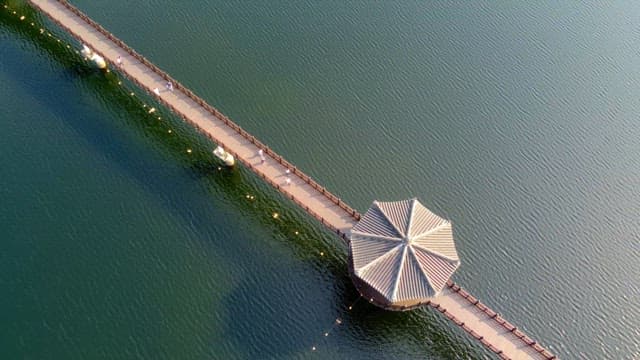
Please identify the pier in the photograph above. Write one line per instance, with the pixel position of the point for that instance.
(456, 304)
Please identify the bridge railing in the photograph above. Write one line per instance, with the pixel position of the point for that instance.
(178, 86)
(546, 354)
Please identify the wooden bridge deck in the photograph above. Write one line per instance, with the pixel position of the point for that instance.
(487, 326)
(312, 197)
(456, 304)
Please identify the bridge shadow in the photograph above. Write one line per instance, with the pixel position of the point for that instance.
(424, 328)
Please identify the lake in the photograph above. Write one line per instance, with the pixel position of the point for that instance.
(516, 121)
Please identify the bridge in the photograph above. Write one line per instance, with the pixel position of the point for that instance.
(464, 310)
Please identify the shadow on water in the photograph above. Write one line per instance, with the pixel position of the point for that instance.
(424, 327)
(368, 327)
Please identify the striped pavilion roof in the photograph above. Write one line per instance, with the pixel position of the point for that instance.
(403, 250)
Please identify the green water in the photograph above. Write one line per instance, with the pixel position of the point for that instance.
(516, 121)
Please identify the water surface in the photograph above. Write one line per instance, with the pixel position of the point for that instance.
(516, 121)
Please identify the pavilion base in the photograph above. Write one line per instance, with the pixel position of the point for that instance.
(375, 297)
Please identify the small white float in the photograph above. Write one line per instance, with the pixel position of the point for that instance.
(221, 154)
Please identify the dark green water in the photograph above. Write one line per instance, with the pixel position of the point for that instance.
(519, 122)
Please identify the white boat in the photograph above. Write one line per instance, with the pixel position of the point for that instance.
(86, 51)
(99, 61)
(88, 54)
(221, 154)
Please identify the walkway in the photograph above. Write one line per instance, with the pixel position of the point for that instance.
(308, 194)
(487, 326)
(456, 304)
